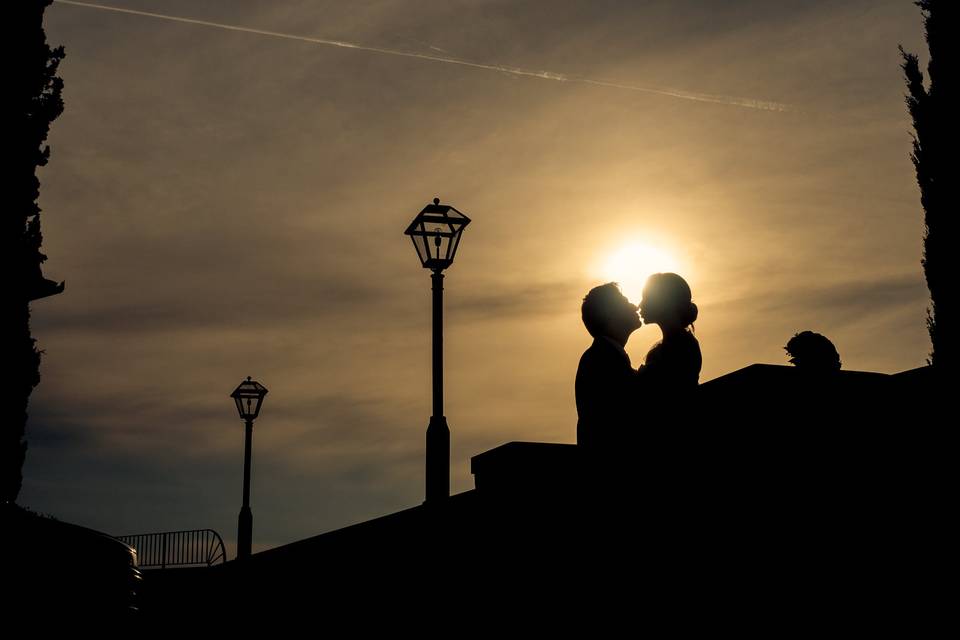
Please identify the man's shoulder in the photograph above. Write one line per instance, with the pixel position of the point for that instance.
(589, 355)
(604, 358)
(594, 355)
(600, 349)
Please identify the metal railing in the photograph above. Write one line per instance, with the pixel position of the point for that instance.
(198, 547)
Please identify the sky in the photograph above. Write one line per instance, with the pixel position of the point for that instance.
(225, 203)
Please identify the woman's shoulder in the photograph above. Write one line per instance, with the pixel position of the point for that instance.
(691, 346)
(691, 340)
(684, 340)
(683, 351)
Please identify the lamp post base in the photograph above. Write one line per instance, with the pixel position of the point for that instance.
(438, 459)
(244, 533)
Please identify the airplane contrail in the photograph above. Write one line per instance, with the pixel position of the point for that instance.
(516, 71)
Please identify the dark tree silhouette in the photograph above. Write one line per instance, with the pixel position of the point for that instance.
(813, 352)
(934, 110)
(32, 97)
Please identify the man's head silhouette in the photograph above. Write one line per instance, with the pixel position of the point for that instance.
(607, 312)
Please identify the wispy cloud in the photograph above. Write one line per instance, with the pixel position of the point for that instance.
(839, 303)
(225, 202)
(735, 101)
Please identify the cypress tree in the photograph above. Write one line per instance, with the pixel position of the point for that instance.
(934, 109)
(32, 102)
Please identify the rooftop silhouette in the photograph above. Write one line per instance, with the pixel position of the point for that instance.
(748, 501)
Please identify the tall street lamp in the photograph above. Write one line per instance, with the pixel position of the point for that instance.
(436, 235)
(249, 398)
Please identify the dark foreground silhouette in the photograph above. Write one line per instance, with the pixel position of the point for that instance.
(58, 575)
(784, 502)
(813, 352)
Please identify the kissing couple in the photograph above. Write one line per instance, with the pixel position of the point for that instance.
(613, 398)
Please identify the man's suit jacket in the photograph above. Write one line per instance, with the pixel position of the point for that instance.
(604, 390)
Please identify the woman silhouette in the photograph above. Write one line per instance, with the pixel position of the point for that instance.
(673, 364)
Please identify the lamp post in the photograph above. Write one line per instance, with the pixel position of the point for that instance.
(249, 398)
(436, 235)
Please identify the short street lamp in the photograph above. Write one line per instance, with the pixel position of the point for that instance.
(249, 398)
(436, 235)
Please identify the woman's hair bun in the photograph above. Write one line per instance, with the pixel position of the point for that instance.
(691, 315)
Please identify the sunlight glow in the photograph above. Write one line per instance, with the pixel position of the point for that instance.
(631, 264)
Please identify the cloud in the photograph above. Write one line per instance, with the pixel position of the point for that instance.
(499, 300)
(838, 303)
(224, 205)
(751, 103)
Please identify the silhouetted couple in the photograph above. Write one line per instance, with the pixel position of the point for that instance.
(615, 402)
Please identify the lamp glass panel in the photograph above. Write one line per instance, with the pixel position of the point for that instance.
(419, 247)
(445, 246)
(455, 243)
(423, 246)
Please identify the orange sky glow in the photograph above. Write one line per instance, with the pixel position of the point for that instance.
(226, 203)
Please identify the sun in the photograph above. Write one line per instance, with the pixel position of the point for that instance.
(631, 264)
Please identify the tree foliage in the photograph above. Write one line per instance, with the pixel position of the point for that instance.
(32, 101)
(934, 109)
(813, 352)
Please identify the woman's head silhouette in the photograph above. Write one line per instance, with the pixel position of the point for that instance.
(667, 301)
(673, 363)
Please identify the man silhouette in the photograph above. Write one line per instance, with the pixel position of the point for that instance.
(605, 378)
